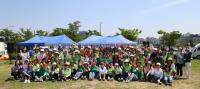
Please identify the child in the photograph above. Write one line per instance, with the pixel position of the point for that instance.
(126, 70)
(109, 74)
(42, 73)
(102, 72)
(158, 74)
(134, 73)
(172, 66)
(28, 73)
(66, 72)
(85, 71)
(168, 76)
(117, 72)
(54, 74)
(93, 71)
(79, 71)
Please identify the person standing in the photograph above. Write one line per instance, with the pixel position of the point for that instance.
(24, 55)
(187, 58)
(179, 62)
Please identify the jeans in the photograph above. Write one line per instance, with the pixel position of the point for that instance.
(168, 79)
(179, 69)
(78, 74)
(92, 75)
(133, 77)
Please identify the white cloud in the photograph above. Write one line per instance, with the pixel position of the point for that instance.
(170, 4)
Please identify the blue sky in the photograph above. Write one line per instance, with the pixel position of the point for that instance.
(147, 15)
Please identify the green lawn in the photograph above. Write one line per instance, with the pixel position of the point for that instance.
(193, 83)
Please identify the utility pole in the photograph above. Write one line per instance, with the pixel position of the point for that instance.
(100, 27)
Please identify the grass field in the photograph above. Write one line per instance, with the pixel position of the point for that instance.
(193, 83)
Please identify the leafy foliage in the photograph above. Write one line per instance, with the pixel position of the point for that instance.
(130, 34)
(93, 32)
(25, 33)
(41, 33)
(169, 38)
(9, 36)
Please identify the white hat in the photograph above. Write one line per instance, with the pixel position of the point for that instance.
(170, 59)
(57, 52)
(76, 51)
(116, 64)
(126, 60)
(158, 64)
(155, 49)
(119, 48)
(27, 60)
(54, 63)
(42, 50)
(132, 55)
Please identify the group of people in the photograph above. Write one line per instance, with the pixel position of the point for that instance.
(121, 63)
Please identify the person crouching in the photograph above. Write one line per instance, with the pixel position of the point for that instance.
(102, 72)
(54, 74)
(28, 73)
(93, 71)
(158, 74)
(66, 72)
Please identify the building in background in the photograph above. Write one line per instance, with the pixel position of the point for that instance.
(193, 39)
(151, 40)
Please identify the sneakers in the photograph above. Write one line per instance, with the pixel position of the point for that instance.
(41, 80)
(29, 81)
(26, 81)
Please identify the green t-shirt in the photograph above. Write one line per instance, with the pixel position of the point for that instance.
(94, 69)
(117, 70)
(80, 69)
(127, 68)
(135, 71)
(109, 70)
(67, 72)
(43, 71)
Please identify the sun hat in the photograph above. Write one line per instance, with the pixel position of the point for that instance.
(116, 64)
(42, 50)
(158, 64)
(126, 60)
(170, 59)
(54, 63)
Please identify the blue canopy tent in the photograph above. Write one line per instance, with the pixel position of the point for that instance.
(37, 40)
(55, 40)
(116, 40)
(107, 40)
(47, 40)
(91, 40)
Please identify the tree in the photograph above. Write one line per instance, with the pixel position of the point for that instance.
(58, 31)
(25, 33)
(130, 34)
(72, 31)
(92, 32)
(169, 38)
(9, 36)
(41, 33)
(74, 27)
